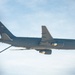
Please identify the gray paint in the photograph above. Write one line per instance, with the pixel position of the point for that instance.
(47, 42)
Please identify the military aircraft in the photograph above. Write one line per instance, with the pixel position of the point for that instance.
(43, 44)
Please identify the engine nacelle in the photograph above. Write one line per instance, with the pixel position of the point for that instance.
(45, 51)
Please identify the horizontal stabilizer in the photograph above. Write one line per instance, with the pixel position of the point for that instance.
(4, 36)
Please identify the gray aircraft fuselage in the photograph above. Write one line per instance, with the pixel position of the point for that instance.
(43, 44)
(33, 43)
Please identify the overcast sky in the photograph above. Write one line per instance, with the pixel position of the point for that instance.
(24, 18)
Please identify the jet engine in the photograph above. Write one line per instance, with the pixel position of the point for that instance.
(48, 52)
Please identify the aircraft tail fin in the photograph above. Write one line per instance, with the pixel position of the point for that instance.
(46, 36)
(5, 33)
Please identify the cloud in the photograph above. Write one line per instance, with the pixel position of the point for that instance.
(29, 62)
(31, 4)
(29, 15)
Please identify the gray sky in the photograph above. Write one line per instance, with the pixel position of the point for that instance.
(25, 18)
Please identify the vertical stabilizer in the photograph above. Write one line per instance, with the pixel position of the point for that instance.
(46, 36)
(5, 33)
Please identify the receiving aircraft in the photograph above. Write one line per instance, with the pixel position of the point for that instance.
(43, 44)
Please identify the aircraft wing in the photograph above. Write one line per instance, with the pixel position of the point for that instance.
(46, 36)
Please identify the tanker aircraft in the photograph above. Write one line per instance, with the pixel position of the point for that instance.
(44, 44)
